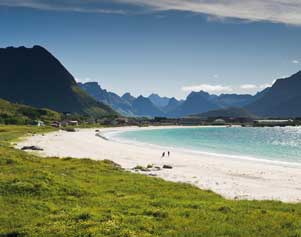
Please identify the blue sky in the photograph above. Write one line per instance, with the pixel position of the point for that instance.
(170, 47)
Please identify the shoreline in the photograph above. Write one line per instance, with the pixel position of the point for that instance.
(112, 136)
(233, 178)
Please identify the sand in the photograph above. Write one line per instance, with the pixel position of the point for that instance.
(233, 178)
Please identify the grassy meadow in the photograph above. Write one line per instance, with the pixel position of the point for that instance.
(85, 198)
(18, 114)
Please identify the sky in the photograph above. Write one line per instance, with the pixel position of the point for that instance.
(169, 47)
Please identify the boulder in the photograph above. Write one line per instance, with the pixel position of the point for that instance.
(141, 168)
(33, 148)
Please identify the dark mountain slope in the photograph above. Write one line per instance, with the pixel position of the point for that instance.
(33, 76)
(283, 99)
(233, 100)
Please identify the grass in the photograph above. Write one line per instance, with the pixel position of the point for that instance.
(11, 113)
(79, 198)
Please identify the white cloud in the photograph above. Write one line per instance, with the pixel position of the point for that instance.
(263, 86)
(279, 11)
(248, 87)
(219, 89)
(63, 5)
(295, 62)
(83, 80)
(216, 89)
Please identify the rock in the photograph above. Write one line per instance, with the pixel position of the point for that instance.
(141, 168)
(69, 129)
(154, 175)
(33, 148)
(167, 167)
(224, 209)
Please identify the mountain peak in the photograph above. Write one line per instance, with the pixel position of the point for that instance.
(92, 86)
(127, 94)
(38, 47)
(144, 107)
(198, 94)
(172, 99)
(154, 95)
(128, 97)
(141, 97)
(92, 83)
(159, 101)
(35, 47)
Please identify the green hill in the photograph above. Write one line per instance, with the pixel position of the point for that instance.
(11, 113)
(34, 77)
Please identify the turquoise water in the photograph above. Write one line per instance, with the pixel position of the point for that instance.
(277, 144)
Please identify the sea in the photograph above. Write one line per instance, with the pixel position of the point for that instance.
(279, 144)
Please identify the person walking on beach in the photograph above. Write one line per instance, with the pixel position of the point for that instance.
(163, 154)
(168, 153)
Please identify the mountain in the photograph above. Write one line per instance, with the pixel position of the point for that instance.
(260, 94)
(159, 101)
(233, 100)
(283, 99)
(11, 113)
(115, 101)
(126, 104)
(128, 97)
(202, 102)
(227, 113)
(142, 106)
(172, 105)
(196, 102)
(33, 76)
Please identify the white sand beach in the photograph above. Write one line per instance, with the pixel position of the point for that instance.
(230, 177)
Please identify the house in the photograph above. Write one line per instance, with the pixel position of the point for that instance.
(73, 123)
(66, 123)
(56, 124)
(39, 123)
(121, 121)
